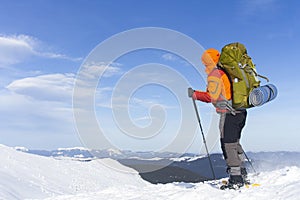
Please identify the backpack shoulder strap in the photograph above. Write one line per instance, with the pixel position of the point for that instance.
(227, 103)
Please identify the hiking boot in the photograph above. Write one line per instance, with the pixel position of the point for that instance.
(244, 171)
(235, 182)
(245, 175)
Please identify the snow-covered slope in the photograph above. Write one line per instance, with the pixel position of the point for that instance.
(27, 176)
(24, 175)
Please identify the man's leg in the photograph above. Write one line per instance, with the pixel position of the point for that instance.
(230, 135)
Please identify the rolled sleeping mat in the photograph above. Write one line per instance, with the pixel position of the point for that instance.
(262, 95)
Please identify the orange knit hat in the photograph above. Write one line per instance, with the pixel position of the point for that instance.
(210, 57)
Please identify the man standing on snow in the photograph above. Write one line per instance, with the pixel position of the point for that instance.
(231, 121)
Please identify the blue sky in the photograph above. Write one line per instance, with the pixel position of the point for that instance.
(44, 43)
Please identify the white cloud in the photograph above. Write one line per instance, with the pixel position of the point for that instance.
(94, 70)
(168, 56)
(147, 103)
(50, 87)
(174, 58)
(14, 105)
(56, 56)
(17, 48)
(89, 75)
(39, 108)
(14, 49)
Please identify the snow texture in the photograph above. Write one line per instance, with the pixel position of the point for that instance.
(28, 176)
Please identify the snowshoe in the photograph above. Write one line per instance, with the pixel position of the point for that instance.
(235, 182)
(231, 186)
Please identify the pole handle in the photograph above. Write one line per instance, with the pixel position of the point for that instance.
(190, 92)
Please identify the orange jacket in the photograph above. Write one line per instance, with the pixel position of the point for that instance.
(218, 88)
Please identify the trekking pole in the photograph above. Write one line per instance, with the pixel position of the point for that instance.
(190, 91)
(250, 162)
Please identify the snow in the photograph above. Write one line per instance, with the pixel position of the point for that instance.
(114, 151)
(73, 148)
(186, 158)
(24, 175)
(28, 176)
(153, 159)
(21, 149)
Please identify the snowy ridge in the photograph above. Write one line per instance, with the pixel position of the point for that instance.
(24, 175)
(73, 148)
(186, 158)
(27, 176)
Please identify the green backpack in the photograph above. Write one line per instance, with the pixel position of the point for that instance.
(241, 71)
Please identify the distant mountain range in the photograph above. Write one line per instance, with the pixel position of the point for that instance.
(166, 167)
(84, 153)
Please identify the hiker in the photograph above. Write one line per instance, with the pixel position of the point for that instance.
(231, 122)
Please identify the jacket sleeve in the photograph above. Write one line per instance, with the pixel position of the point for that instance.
(202, 96)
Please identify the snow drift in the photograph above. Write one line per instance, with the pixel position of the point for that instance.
(27, 176)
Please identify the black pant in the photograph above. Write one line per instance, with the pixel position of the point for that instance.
(231, 128)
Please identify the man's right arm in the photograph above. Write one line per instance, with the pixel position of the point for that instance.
(202, 96)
